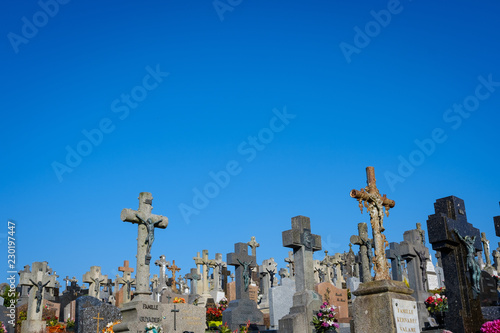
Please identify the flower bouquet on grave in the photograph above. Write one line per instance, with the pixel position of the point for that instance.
(324, 320)
(214, 317)
(109, 327)
(437, 305)
(179, 300)
(152, 328)
(491, 326)
(53, 324)
(3, 329)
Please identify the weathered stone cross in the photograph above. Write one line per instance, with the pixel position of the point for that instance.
(198, 261)
(291, 262)
(126, 280)
(487, 253)
(164, 265)
(174, 269)
(38, 280)
(254, 245)
(243, 262)
(147, 223)
(375, 205)
(365, 248)
(95, 279)
(397, 262)
(303, 243)
(194, 276)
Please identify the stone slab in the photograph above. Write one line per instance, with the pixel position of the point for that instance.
(336, 297)
(280, 301)
(190, 318)
(95, 318)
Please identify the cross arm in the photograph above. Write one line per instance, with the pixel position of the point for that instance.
(129, 215)
(363, 195)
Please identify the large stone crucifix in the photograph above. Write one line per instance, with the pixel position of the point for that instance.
(243, 262)
(147, 223)
(95, 279)
(376, 204)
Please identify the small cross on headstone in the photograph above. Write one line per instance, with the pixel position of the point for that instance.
(98, 318)
(147, 222)
(175, 310)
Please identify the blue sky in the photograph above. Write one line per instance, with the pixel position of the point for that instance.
(295, 98)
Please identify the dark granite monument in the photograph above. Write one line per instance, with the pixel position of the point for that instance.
(464, 313)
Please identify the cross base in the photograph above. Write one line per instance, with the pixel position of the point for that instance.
(299, 320)
(240, 311)
(33, 326)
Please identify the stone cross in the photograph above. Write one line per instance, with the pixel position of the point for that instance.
(337, 263)
(350, 262)
(291, 262)
(319, 272)
(147, 223)
(397, 262)
(225, 274)
(480, 260)
(327, 268)
(154, 287)
(38, 280)
(218, 267)
(496, 257)
(416, 255)
(67, 280)
(126, 280)
(174, 269)
(254, 245)
(303, 243)
(242, 261)
(486, 246)
(421, 232)
(375, 204)
(205, 271)
(164, 265)
(283, 273)
(365, 248)
(199, 266)
(95, 279)
(194, 277)
(267, 270)
(464, 307)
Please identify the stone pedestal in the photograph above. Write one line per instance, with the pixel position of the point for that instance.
(372, 308)
(137, 313)
(305, 303)
(33, 326)
(240, 311)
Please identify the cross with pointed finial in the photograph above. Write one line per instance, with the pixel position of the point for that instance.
(376, 204)
(174, 269)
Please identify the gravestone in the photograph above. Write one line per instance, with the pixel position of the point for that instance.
(397, 262)
(280, 301)
(432, 278)
(486, 245)
(372, 309)
(39, 280)
(268, 271)
(162, 279)
(416, 255)
(291, 264)
(325, 269)
(95, 279)
(242, 309)
(337, 263)
(82, 303)
(193, 277)
(305, 299)
(336, 297)
(127, 281)
(352, 284)
(95, 318)
(489, 294)
(350, 263)
(174, 269)
(181, 317)
(134, 312)
(5, 318)
(456, 250)
(365, 251)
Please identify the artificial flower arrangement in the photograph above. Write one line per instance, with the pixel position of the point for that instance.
(179, 300)
(324, 320)
(437, 303)
(3, 329)
(152, 328)
(109, 327)
(491, 327)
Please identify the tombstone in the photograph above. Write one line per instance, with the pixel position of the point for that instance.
(373, 310)
(439, 270)
(23, 289)
(95, 279)
(456, 241)
(486, 245)
(432, 278)
(305, 299)
(416, 255)
(496, 258)
(174, 269)
(325, 269)
(225, 274)
(337, 263)
(82, 303)
(350, 263)
(291, 263)
(365, 250)
(5, 318)
(242, 309)
(127, 281)
(268, 270)
(139, 308)
(284, 274)
(489, 294)
(39, 280)
(336, 297)
(95, 318)
(218, 269)
(162, 279)
(68, 298)
(194, 277)
(393, 253)
(182, 317)
(280, 301)
(352, 284)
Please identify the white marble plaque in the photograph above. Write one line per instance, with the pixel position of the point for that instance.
(405, 316)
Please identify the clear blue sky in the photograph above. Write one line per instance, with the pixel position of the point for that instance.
(355, 84)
